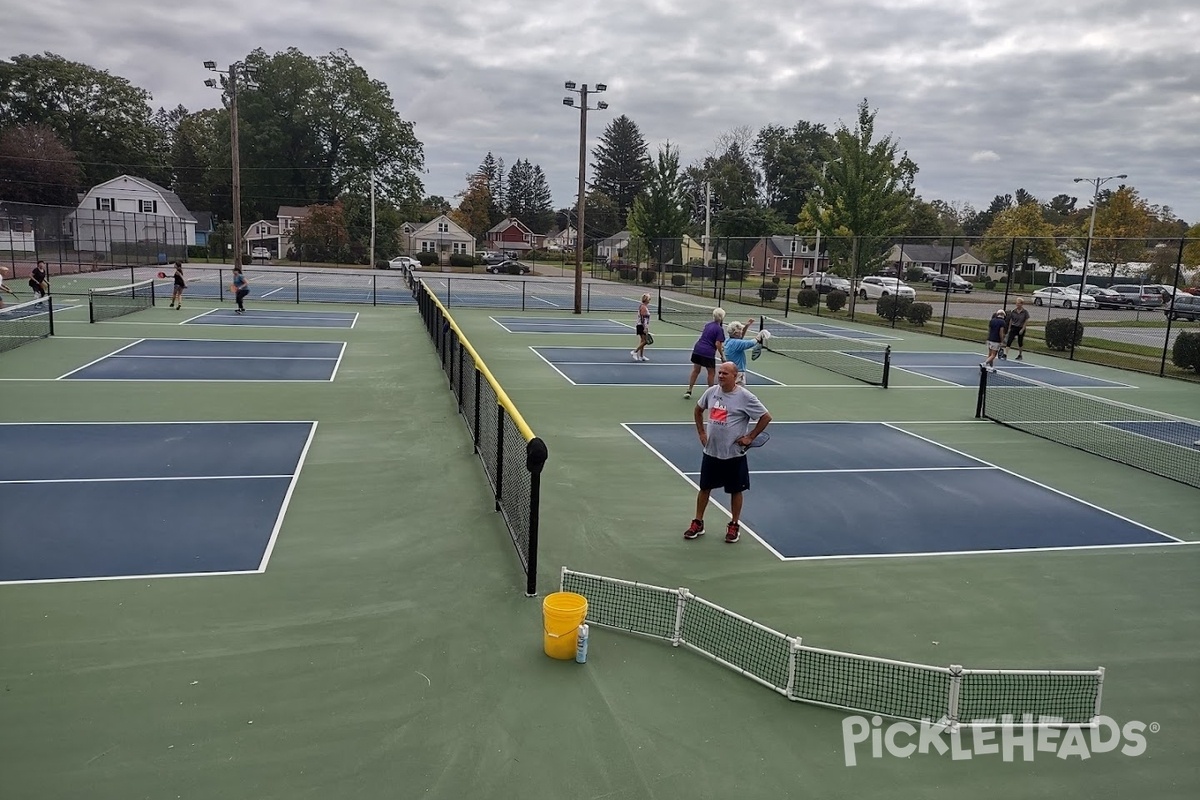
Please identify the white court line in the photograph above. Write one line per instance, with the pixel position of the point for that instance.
(287, 499)
(862, 470)
(267, 551)
(148, 478)
(1174, 541)
(232, 358)
(101, 358)
(337, 364)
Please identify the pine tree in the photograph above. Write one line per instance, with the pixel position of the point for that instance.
(619, 163)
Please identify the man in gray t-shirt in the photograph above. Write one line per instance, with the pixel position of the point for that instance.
(731, 408)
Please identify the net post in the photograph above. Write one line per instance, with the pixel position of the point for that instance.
(1099, 692)
(535, 461)
(887, 365)
(791, 667)
(680, 604)
(91, 307)
(981, 399)
(952, 696)
(152, 303)
(297, 275)
(50, 312)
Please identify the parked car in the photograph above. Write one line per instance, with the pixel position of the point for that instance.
(1144, 295)
(873, 287)
(1184, 306)
(1064, 296)
(1107, 298)
(951, 283)
(260, 252)
(403, 262)
(494, 258)
(825, 282)
(508, 267)
(928, 273)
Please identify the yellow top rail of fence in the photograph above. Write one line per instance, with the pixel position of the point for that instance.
(501, 395)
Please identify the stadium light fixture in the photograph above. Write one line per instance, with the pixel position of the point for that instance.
(581, 201)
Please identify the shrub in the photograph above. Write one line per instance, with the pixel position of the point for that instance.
(461, 260)
(1185, 353)
(835, 300)
(1063, 332)
(382, 265)
(627, 273)
(427, 258)
(892, 307)
(678, 280)
(919, 313)
(775, 279)
(649, 276)
(914, 275)
(197, 251)
(807, 298)
(768, 292)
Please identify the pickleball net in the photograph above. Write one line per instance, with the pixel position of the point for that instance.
(117, 301)
(26, 322)
(1162, 444)
(860, 359)
(950, 696)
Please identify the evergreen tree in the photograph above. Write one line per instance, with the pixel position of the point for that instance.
(660, 214)
(619, 164)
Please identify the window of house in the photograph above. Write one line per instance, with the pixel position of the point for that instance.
(787, 263)
(104, 204)
(427, 247)
(443, 227)
(148, 206)
(793, 249)
(460, 247)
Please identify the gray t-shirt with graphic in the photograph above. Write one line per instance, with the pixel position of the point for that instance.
(729, 415)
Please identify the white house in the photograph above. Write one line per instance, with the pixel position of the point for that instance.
(440, 235)
(562, 240)
(131, 215)
(275, 234)
(614, 246)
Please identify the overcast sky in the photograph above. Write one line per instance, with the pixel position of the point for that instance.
(987, 96)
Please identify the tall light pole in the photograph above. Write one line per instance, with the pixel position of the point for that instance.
(229, 80)
(582, 91)
(1097, 182)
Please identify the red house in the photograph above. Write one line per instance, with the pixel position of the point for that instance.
(512, 235)
(783, 255)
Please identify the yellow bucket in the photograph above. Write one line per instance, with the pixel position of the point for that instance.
(562, 614)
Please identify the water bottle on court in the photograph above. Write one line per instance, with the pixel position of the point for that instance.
(581, 645)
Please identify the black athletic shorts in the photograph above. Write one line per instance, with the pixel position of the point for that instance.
(705, 361)
(1019, 336)
(641, 329)
(731, 474)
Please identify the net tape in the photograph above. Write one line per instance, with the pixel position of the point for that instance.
(1158, 443)
(952, 696)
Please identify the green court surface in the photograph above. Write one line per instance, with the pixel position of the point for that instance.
(388, 650)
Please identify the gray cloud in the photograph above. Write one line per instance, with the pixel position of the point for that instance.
(987, 96)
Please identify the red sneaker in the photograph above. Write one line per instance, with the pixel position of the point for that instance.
(694, 530)
(732, 532)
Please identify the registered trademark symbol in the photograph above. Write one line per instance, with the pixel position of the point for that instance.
(1155, 727)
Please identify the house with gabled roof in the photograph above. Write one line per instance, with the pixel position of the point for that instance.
(936, 256)
(132, 216)
(612, 248)
(440, 235)
(786, 255)
(561, 240)
(274, 234)
(512, 235)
